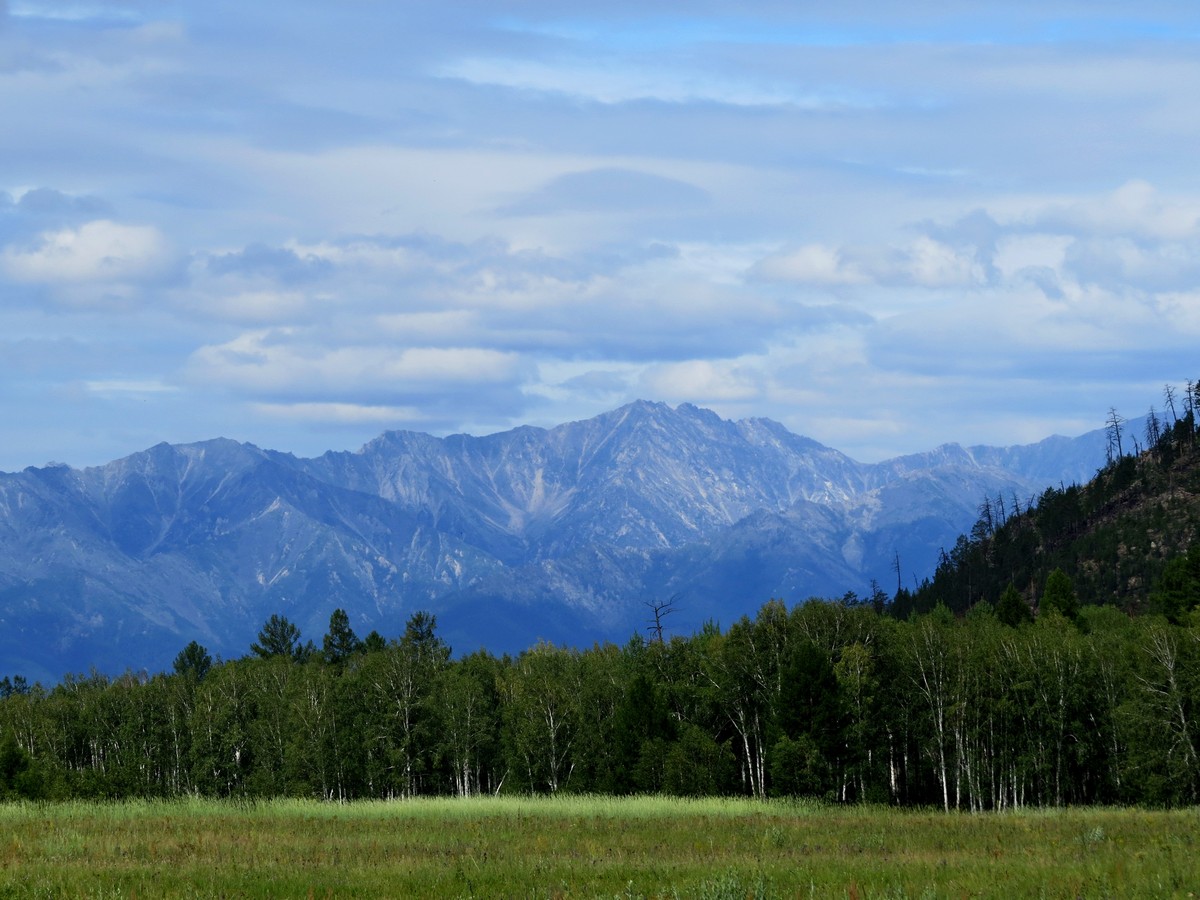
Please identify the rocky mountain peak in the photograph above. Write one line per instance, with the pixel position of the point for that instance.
(558, 533)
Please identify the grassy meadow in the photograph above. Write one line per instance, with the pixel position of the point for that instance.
(588, 847)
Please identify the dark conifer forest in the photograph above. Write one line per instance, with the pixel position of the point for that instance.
(1053, 658)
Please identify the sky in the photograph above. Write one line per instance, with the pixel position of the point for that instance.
(887, 225)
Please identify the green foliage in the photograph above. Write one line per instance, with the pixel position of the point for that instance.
(697, 766)
(820, 700)
(1113, 537)
(540, 697)
(340, 642)
(642, 733)
(1178, 588)
(279, 637)
(374, 642)
(1059, 596)
(15, 685)
(19, 777)
(420, 632)
(811, 718)
(193, 662)
(1011, 609)
(799, 768)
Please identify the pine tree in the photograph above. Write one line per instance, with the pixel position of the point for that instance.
(341, 642)
(193, 661)
(1059, 594)
(279, 637)
(1011, 609)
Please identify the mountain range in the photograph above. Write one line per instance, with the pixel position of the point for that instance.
(564, 534)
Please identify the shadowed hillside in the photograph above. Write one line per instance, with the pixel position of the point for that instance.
(1122, 539)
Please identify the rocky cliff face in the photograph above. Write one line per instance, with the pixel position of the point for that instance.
(560, 534)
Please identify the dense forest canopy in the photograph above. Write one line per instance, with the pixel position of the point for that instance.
(1053, 658)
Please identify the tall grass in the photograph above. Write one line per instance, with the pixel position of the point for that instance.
(581, 846)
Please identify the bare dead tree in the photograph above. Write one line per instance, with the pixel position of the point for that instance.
(1113, 424)
(1153, 429)
(659, 610)
(986, 526)
(878, 598)
(1169, 396)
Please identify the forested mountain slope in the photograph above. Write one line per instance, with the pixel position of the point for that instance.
(1121, 539)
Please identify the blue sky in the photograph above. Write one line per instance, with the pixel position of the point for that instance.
(888, 226)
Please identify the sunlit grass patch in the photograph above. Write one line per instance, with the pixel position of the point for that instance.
(587, 846)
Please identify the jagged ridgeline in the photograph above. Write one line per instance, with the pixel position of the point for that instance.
(1127, 538)
(558, 533)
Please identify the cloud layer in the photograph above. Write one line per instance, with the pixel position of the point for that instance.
(887, 225)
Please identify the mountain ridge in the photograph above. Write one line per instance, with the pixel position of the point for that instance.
(560, 533)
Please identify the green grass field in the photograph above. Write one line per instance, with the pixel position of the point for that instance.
(588, 847)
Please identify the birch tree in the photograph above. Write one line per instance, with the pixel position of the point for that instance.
(467, 699)
(1167, 678)
(932, 677)
(401, 680)
(540, 706)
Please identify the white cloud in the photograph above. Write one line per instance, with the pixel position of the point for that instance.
(1136, 208)
(703, 381)
(1182, 309)
(924, 262)
(602, 82)
(811, 264)
(1017, 252)
(101, 251)
(438, 326)
(609, 190)
(933, 264)
(70, 12)
(294, 362)
(263, 306)
(118, 387)
(339, 413)
(870, 222)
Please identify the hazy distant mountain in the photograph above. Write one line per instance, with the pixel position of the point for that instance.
(562, 534)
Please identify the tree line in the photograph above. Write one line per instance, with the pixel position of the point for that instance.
(1053, 658)
(831, 699)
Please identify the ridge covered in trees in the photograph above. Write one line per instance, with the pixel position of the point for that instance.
(1018, 675)
(1123, 539)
